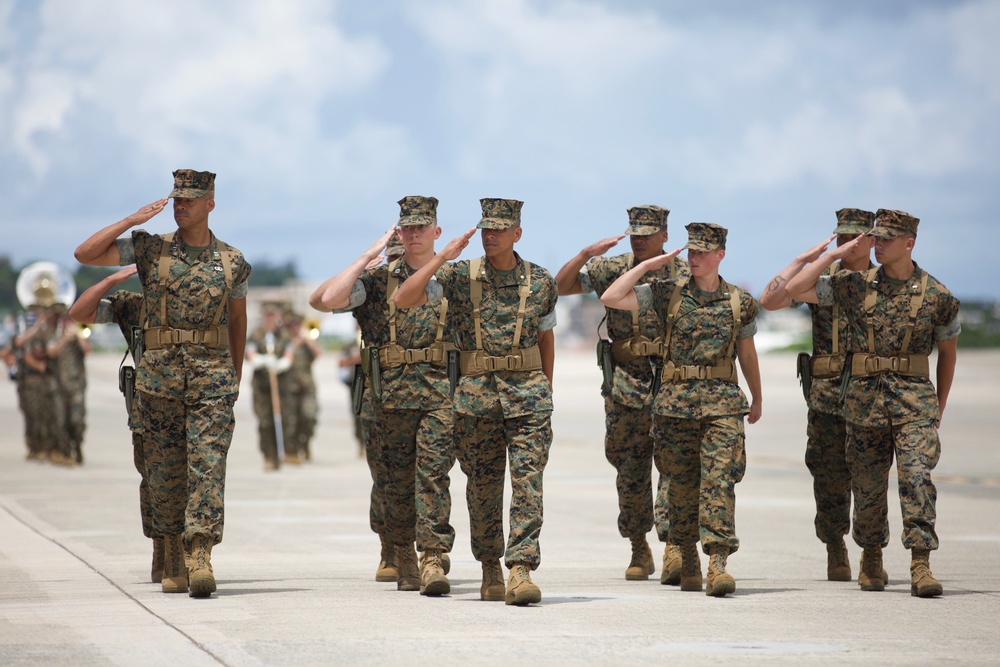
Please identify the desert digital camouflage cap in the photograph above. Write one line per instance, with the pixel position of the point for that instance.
(417, 211)
(646, 220)
(394, 248)
(854, 221)
(190, 184)
(500, 213)
(705, 236)
(891, 224)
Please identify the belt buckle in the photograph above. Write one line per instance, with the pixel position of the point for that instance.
(894, 363)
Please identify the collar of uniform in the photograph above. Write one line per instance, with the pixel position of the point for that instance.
(911, 285)
(179, 249)
(399, 268)
(703, 297)
(487, 274)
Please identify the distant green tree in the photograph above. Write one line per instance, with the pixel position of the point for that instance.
(8, 280)
(266, 274)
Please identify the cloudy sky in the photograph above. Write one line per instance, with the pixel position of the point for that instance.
(319, 115)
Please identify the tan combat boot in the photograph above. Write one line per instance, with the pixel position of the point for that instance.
(520, 590)
(445, 560)
(719, 582)
(671, 573)
(838, 565)
(432, 579)
(175, 575)
(922, 582)
(201, 578)
(690, 575)
(387, 564)
(870, 578)
(406, 567)
(492, 589)
(642, 561)
(156, 569)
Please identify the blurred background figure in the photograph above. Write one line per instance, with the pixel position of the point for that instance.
(302, 408)
(67, 352)
(269, 353)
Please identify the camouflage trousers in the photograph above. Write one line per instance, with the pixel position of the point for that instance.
(417, 455)
(266, 431)
(74, 406)
(869, 456)
(373, 450)
(482, 445)
(826, 458)
(185, 446)
(44, 415)
(145, 504)
(704, 460)
(628, 446)
(300, 415)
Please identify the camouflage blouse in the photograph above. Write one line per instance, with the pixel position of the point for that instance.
(501, 394)
(422, 386)
(701, 337)
(188, 372)
(632, 379)
(890, 398)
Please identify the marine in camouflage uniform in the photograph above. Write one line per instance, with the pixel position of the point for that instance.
(302, 406)
(900, 313)
(269, 348)
(698, 426)
(124, 308)
(188, 378)
(826, 431)
(68, 351)
(636, 354)
(503, 400)
(41, 402)
(410, 395)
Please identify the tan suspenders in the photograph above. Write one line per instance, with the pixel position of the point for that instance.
(392, 355)
(724, 369)
(478, 362)
(868, 364)
(216, 335)
(827, 366)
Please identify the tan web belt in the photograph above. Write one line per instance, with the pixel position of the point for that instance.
(724, 371)
(157, 338)
(633, 348)
(826, 366)
(477, 362)
(914, 365)
(391, 356)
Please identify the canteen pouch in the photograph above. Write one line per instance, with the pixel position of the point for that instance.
(803, 371)
(375, 372)
(606, 362)
(357, 389)
(126, 385)
(454, 371)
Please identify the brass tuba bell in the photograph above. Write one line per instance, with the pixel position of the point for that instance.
(45, 284)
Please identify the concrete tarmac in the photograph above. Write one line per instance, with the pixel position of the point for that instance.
(296, 568)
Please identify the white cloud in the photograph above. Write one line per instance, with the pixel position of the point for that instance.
(170, 77)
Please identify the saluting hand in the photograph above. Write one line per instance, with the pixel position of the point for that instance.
(120, 276)
(455, 246)
(843, 251)
(811, 255)
(653, 263)
(147, 212)
(602, 246)
(380, 245)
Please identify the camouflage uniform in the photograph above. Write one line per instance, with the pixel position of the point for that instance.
(890, 414)
(826, 430)
(187, 390)
(501, 413)
(41, 402)
(373, 455)
(698, 426)
(303, 407)
(124, 308)
(413, 413)
(261, 384)
(628, 441)
(71, 380)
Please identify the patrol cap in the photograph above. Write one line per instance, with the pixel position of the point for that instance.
(500, 213)
(394, 248)
(417, 211)
(893, 224)
(191, 184)
(854, 221)
(646, 220)
(705, 236)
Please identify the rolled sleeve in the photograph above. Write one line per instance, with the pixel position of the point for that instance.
(586, 286)
(126, 251)
(547, 322)
(358, 296)
(105, 313)
(824, 291)
(239, 292)
(644, 295)
(948, 331)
